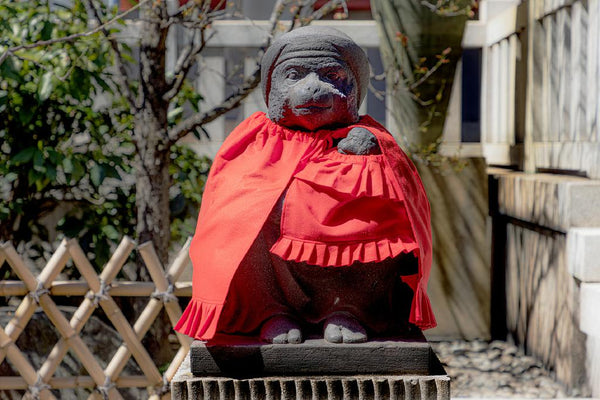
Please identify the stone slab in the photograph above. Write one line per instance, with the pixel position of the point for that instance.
(238, 357)
(558, 202)
(186, 386)
(583, 253)
(590, 309)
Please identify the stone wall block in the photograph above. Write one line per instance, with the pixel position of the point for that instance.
(557, 202)
(590, 309)
(583, 253)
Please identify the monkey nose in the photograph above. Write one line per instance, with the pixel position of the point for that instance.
(313, 90)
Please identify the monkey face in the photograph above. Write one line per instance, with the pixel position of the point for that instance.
(313, 93)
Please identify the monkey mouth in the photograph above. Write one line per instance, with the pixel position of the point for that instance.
(313, 107)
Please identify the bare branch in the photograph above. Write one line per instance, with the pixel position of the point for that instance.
(197, 120)
(182, 70)
(326, 9)
(119, 62)
(193, 122)
(70, 38)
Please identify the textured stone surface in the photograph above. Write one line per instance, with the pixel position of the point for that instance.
(593, 364)
(590, 308)
(479, 369)
(583, 254)
(459, 286)
(230, 356)
(555, 201)
(543, 302)
(185, 386)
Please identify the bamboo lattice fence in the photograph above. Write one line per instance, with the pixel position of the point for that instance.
(97, 291)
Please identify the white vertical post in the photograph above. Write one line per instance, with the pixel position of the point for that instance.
(493, 109)
(452, 124)
(578, 23)
(595, 54)
(502, 93)
(563, 74)
(211, 85)
(254, 102)
(513, 46)
(485, 91)
(549, 116)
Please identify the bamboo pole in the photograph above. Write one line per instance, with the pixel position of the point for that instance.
(69, 331)
(81, 288)
(156, 272)
(119, 321)
(25, 311)
(57, 318)
(17, 324)
(2, 256)
(145, 320)
(86, 309)
(21, 364)
(73, 382)
(55, 264)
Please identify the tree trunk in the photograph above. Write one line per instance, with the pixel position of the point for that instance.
(409, 32)
(152, 175)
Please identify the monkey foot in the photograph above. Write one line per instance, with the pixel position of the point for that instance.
(343, 328)
(281, 329)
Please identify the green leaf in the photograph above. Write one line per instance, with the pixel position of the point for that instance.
(78, 171)
(46, 32)
(38, 161)
(111, 232)
(46, 86)
(24, 156)
(11, 177)
(67, 165)
(97, 174)
(174, 114)
(51, 172)
(8, 70)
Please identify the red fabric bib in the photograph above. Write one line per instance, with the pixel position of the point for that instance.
(338, 209)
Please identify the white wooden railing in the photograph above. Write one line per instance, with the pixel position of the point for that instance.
(541, 86)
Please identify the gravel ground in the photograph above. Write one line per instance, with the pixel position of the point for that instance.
(496, 369)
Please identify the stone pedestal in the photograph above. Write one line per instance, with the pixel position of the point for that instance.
(236, 368)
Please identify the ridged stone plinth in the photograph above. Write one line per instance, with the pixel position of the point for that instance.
(385, 369)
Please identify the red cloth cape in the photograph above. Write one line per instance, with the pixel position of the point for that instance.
(250, 172)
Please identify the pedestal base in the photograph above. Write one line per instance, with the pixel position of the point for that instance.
(238, 368)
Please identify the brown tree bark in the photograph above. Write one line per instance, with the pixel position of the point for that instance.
(150, 134)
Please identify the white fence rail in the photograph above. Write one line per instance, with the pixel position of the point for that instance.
(541, 85)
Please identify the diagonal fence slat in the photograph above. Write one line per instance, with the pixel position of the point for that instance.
(27, 307)
(150, 313)
(119, 321)
(163, 282)
(86, 309)
(59, 321)
(22, 364)
(37, 291)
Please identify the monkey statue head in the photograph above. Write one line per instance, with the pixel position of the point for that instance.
(314, 77)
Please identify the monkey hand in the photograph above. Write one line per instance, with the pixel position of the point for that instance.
(359, 142)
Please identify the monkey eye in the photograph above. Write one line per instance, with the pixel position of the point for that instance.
(292, 74)
(332, 76)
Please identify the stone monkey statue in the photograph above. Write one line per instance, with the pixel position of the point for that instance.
(311, 215)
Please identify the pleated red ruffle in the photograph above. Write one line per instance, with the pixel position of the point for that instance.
(340, 254)
(199, 320)
(359, 176)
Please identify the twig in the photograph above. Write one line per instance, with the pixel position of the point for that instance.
(196, 120)
(70, 38)
(122, 76)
